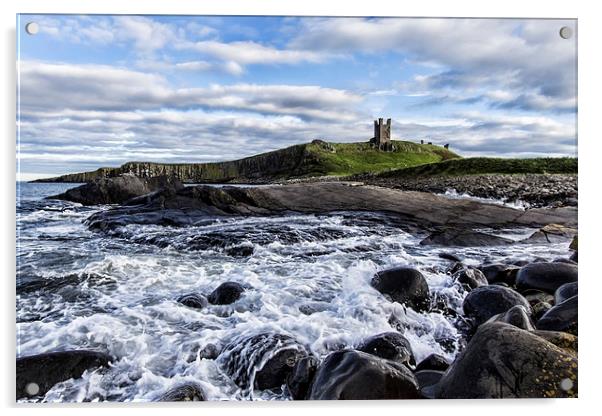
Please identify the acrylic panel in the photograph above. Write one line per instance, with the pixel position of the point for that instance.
(295, 208)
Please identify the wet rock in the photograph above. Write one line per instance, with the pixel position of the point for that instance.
(535, 296)
(299, 381)
(262, 361)
(390, 346)
(470, 278)
(486, 301)
(545, 276)
(354, 375)
(552, 233)
(564, 292)
(427, 380)
(503, 361)
(495, 273)
(37, 374)
(226, 293)
(562, 340)
(209, 352)
(433, 362)
(450, 257)
(189, 392)
(117, 190)
(240, 251)
(193, 300)
(562, 317)
(460, 237)
(517, 316)
(574, 257)
(404, 285)
(539, 310)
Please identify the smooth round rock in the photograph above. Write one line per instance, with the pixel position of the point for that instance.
(355, 375)
(299, 381)
(562, 317)
(193, 300)
(390, 346)
(433, 362)
(545, 276)
(189, 392)
(427, 380)
(495, 273)
(226, 293)
(404, 285)
(486, 301)
(471, 278)
(517, 316)
(564, 292)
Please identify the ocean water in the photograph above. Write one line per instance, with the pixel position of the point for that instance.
(78, 289)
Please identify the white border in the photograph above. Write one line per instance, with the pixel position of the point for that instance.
(590, 104)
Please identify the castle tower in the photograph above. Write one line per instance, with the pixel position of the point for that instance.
(382, 134)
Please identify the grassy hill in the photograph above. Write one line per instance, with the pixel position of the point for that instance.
(317, 158)
(486, 165)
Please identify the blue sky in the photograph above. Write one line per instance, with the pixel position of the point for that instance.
(103, 90)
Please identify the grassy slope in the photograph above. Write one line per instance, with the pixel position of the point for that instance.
(485, 165)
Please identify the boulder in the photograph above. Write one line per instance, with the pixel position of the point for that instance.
(562, 340)
(564, 292)
(562, 317)
(427, 381)
(461, 237)
(404, 285)
(505, 273)
(517, 316)
(535, 296)
(189, 392)
(503, 361)
(539, 310)
(486, 301)
(354, 375)
(263, 361)
(193, 300)
(470, 278)
(299, 381)
(390, 346)
(36, 374)
(552, 233)
(545, 276)
(433, 362)
(226, 293)
(117, 190)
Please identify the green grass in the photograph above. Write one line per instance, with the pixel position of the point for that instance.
(486, 165)
(342, 159)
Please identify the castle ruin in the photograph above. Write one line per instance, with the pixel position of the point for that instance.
(382, 135)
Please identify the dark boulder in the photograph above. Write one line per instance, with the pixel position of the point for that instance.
(535, 296)
(545, 276)
(36, 374)
(486, 301)
(390, 346)
(354, 375)
(299, 381)
(427, 381)
(404, 285)
(209, 352)
(226, 293)
(564, 292)
(450, 257)
(461, 237)
(433, 362)
(261, 362)
(244, 250)
(117, 190)
(539, 310)
(193, 300)
(562, 317)
(470, 278)
(189, 392)
(563, 340)
(574, 257)
(517, 316)
(495, 273)
(503, 361)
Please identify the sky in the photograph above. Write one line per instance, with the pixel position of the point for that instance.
(97, 90)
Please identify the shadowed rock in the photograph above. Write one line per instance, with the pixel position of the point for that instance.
(460, 237)
(433, 362)
(390, 346)
(566, 291)
(545, 276)
(193, 300)
(486, 301)
(226, 293)
(562, 317)
(189, 392)
(299, 381)
(404, 285)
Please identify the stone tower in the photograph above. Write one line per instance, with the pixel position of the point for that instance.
(382, 135)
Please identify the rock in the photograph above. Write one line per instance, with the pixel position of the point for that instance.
(574, 244)
(552, 233)
(189, 392)
(563, 260)
(209, 352)
(404, 285)
(461, 237)
(193, 300)
(574, 257)
(240, 251)
(535, 296)
(516, 316)
(455, 268)
(117, 190)
(471, 278)
(503, 361)
(263, 361)
(427, 380)
(226, 293)
(433, 362)
(36, 374)
(564, 292)
(390, 346)
(299, 381)
(562, 317)
(545, 276)
(495, 273)
(562, 340)
(354, 375)
(486, 301)
(450, 257)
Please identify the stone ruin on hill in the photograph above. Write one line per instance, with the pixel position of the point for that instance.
(382, 135)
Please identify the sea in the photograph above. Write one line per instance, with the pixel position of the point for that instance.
(307, 276)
